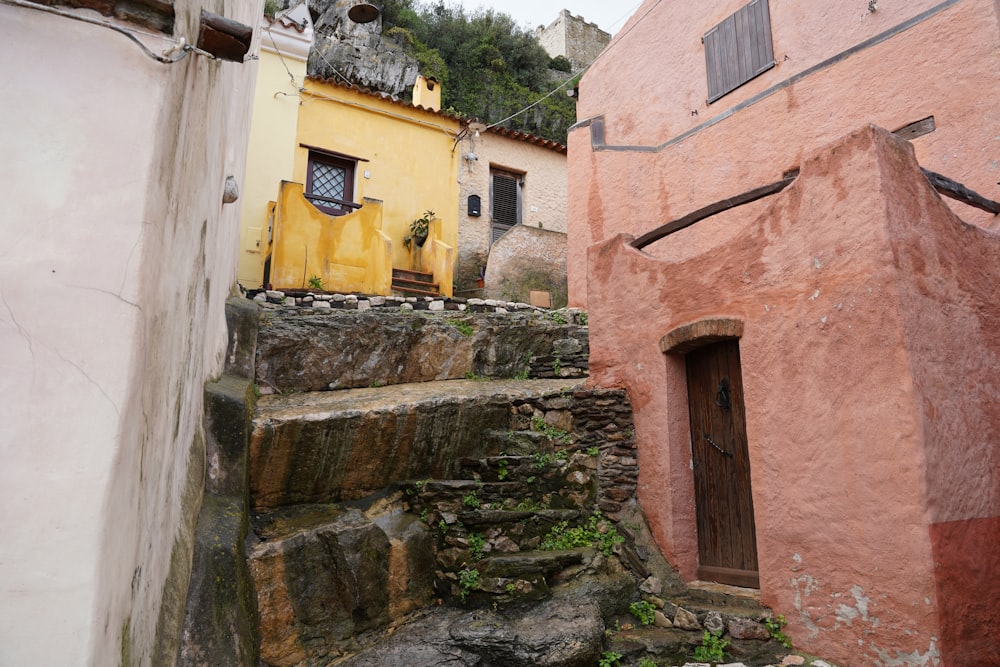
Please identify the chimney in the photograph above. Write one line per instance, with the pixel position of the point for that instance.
(427, 93)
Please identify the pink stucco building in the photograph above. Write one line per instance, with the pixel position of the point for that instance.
(814, 373)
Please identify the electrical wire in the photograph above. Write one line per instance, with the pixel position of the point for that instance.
(291, 76)
(610, 46)
(179, 50)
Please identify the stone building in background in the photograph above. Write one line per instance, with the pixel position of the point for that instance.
(573, 38)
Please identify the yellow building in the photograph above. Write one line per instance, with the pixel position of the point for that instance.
(363, 167)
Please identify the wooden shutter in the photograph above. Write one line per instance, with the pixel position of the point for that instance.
(738, 49)
(505, 204)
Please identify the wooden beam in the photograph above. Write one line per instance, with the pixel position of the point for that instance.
(959, 192)
(712, 209)
(224, 38)
(916, 129)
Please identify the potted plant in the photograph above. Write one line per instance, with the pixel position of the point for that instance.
(418, 230)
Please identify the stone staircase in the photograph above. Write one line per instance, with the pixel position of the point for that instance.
(414, 283)
(460, 498)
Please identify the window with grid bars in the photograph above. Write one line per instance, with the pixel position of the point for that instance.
(505, 201)
(330, 183)
(738, 49)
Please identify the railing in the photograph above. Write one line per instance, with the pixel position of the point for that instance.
(313, 198)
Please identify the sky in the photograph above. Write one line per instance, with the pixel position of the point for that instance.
(610, 16)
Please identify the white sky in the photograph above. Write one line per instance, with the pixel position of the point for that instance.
(610, 16)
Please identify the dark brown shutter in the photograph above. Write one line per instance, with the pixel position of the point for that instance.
(738, 49)
(505, 203)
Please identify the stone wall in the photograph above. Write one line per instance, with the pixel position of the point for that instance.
(543, 194)
(526, 259)
(573, 37)
(309, 349)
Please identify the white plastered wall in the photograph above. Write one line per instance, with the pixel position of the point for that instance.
(117, 257)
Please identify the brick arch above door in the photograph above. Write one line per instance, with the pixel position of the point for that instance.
(688, 337)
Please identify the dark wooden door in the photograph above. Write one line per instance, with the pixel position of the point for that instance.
(727, 544)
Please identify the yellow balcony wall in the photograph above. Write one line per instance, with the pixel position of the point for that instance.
(349, 253)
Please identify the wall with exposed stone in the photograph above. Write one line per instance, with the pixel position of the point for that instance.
(573, 37)
(120, 258)
(527, 259)
(543, 194)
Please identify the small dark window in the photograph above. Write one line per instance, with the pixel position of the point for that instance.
(505, 201)
(738, 49)
(330, 184)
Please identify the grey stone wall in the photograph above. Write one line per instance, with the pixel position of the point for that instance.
(572, 36)
(526, 259)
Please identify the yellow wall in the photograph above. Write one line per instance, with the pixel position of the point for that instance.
(349, 253)
(270, 157)
(411, 165)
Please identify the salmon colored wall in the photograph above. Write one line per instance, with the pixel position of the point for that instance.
(650, 88)
(850, 462)
(411, 164)
(347, 252)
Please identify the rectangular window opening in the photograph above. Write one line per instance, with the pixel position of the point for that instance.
(505, 201)
(738, 49)
(330, 183)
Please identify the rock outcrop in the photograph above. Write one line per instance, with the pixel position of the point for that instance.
(357, 52)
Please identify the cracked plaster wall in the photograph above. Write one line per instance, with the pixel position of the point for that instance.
(118, 259)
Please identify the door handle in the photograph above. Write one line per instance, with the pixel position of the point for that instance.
(712, 442)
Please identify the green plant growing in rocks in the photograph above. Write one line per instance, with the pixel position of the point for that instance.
(596, 533)
(581, 319)
(593, 451)
(464, 328)
(775, 629)
(522, 374)
(556, 317)
(502, 470)
(315, 282)
(468, 580)
(443, 527)
(510, 588)
(539, 424)
(542, 460)
(477, 544)
(643, 610)
(469, 375)
(557, 366)
(471, 500)
(561, 454)
(712, 648)
(610, 659)
(646, 662)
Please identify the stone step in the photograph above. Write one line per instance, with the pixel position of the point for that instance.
(412, 276)
(414, 288)
(674, 646)
(318, 350)
(321, 447)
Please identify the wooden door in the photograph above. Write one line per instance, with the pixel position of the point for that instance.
(727, 545)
